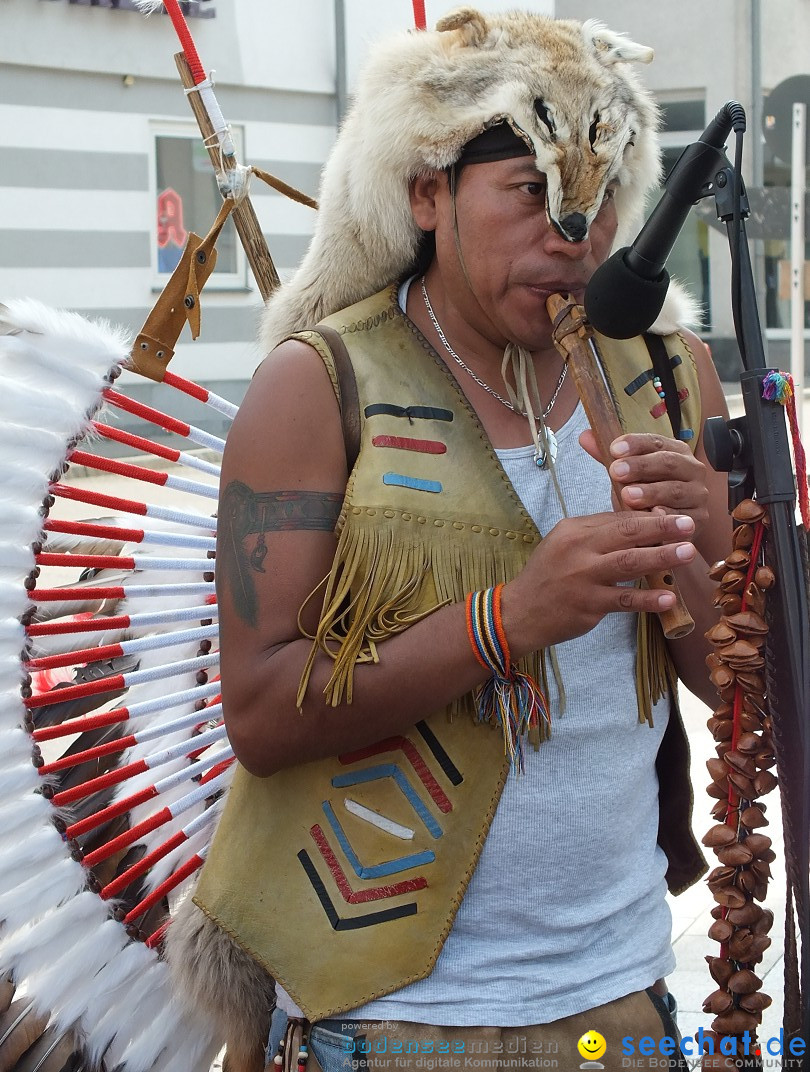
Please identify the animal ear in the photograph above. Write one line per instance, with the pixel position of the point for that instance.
(610, 47)
(471, 23)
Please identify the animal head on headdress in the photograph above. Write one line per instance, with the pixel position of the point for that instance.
(567, 89)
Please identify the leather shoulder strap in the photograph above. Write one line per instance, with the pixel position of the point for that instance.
(663, 368)
(349, 400)
(329, 344)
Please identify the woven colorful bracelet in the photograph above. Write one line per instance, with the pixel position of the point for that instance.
(509, 699)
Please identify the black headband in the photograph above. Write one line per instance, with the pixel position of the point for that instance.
(496, 143)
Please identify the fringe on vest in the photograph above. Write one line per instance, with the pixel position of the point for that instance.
(382, 582)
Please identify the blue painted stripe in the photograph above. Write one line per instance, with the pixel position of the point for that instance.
(391, 770)
(412, 482)
(390, 867)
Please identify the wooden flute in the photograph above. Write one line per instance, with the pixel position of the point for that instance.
(572, 337)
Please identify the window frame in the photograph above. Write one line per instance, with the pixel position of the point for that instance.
(234, 282)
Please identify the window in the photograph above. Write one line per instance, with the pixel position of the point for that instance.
(187, 199)
(688, 262)
(775, 225)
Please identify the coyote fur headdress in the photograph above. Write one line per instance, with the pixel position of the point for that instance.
(567, 89)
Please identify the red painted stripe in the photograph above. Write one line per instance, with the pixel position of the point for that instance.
(156, 937)
(660, 408)
(376, 893)
(103, 816)
(394, 744)
(86, 625)
(199, 751)
(148, 446)
(123, 841)
(81, 724)
(108, 749)
(218, 768)
(46, 558)
(95, 498)
(74, 692)
(104, 781)
(154, 416)
(112, 889)
(422, 446)
(186, 386)
(188, 868)
(84, 528)
(175, 13)
(53, 595)
(110, 465)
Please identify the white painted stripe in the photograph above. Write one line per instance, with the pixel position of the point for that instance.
(287, 141)
(382, 822)
(280, 215)
(58, 210)
(70, 288)
(32, 127)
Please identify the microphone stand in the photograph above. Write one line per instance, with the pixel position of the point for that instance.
(754, 450)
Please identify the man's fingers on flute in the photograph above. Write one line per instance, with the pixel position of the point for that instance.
(638, 443)
(673, 495)
(651, 600)
(642, 529)
(634, 562)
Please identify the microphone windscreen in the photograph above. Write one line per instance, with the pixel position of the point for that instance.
(621, 304)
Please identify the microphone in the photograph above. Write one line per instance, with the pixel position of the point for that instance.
(626, 293)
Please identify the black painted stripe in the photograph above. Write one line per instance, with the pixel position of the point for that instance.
(645, 377)
(454, 775)
(350, 923)
(424, 413)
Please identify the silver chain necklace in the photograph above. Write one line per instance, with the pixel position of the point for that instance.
(469, 371)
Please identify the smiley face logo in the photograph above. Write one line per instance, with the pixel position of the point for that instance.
(592, 1046)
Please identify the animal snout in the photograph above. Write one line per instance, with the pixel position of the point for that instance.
(574, 227)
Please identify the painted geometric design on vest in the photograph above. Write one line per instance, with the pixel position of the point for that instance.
(648, 375)
(660, 409)
(389, 867)
(333, 831)
(411, 752)
(419, 446)
(375, 893)
(400, 480)
(391, 770)
(412, 413)
(347, 923)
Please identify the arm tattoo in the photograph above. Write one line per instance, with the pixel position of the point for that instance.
(247, 515)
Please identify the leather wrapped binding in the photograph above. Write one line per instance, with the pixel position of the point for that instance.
(741, 774)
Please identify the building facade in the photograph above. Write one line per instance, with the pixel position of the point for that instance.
(102, 170)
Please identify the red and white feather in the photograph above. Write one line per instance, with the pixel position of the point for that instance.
(101, 833)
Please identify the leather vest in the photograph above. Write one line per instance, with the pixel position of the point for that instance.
(342, 877)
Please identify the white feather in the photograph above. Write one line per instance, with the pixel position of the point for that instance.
(39, 847)
(111, 988)
(127, 1028)
(22, 951)
(34, 897)
(112, 939)
(148, 7)
(54, 986)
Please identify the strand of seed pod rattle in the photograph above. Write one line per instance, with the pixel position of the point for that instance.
(741, 774)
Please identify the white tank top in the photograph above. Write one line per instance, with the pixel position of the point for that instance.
(566, 909)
